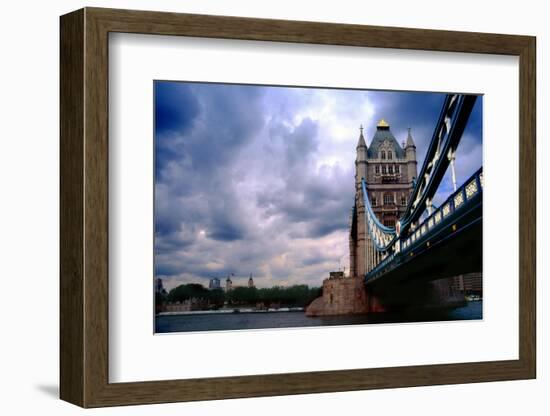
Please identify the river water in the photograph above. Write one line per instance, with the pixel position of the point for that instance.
(230, 321)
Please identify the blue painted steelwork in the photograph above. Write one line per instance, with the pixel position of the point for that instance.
(381, 235)
(467, 197)
(452, 121)
(447, 134)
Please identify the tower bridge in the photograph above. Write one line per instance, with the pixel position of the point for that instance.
(404, 251)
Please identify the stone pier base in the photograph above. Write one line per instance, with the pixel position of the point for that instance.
(349, 295)
(343, 296)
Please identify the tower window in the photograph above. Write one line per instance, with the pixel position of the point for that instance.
(377, 169)
(390, 169)
(403, 200)
(383, 155)
(388, 199)
(384, 169)
(390, 155)
(373, 201)
(397, 169)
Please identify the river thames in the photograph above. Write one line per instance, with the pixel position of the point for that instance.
(231, 321)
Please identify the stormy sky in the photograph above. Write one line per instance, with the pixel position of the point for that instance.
(257, 179)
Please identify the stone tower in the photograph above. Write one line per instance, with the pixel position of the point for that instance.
(250, 281)
(389, 171)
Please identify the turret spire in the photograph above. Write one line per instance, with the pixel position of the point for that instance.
(361, 142)
(361, 159)
(410, 141)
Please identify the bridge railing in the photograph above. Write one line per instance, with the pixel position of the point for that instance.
(471, 190)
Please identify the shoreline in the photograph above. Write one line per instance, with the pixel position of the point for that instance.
(232, 311)
(252, 310)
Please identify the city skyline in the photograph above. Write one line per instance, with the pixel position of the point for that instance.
(254, 179)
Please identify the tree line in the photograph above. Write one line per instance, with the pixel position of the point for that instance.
(291, 296)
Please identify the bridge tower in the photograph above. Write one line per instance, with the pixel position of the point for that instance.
(389, 171)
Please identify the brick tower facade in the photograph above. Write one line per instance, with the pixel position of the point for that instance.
(389, 170)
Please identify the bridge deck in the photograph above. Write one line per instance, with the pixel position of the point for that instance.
(447, 243)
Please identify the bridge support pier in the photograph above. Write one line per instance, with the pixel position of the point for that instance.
(344, 296)
(349, 295)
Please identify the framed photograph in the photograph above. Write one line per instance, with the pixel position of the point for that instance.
(255, 207)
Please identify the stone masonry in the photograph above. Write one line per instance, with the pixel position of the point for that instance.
(342, 296)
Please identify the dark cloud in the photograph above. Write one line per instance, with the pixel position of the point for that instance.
(301, 142)
(175, 107)
(403, 110)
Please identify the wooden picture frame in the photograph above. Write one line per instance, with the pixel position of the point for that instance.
(84, 207)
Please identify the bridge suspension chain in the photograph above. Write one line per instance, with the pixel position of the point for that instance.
(448, 132)
(381, 235)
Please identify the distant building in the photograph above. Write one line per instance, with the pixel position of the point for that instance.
(228, 284)
(214, 284)
(193, 304)
(469, 284)
(159, 287)
(250, 281)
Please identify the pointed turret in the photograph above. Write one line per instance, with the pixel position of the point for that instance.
(361, 143)
(361, 159)
(410, 154)
(410, 141)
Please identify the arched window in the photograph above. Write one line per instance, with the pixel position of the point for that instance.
(390, 155)
(383, 154)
